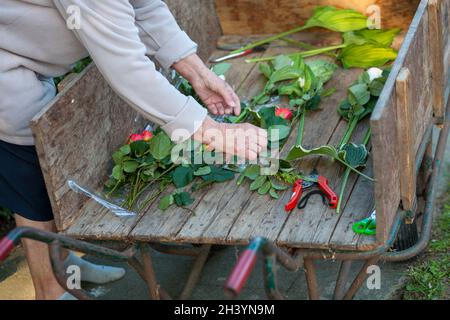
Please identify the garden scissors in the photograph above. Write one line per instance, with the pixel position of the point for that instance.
(307, 182)
(366, 226)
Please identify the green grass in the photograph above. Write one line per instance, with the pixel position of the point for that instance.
(430, 279)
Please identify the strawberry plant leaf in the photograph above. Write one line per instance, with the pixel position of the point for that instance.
(273, 193)
(258, 183)
(166, 202)
(265, 188)
(202, 171)
(182, 176)
(160, 146)
(278, 132)
(117, 173)
(130, 166)
(183, 199)
(218, 174)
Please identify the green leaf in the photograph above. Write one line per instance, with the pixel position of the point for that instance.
(182, 176)
(218, 175)
(166, 202)
(279, 187)
(117, 173)
(278, 132)
(117, 157)
(269, 118)
(126, 149)
(282, 61)
(160, 146)
(258, 183)
(265, 188)
(183, 199)
(286, 73)
(221, 68)
(252, 172)
(366, 56)
(273, 193)
(202, 171)
(358, 94)
(380, 37)
(298, 152)
(340, 20)
(322, 69)
(265, 69)
(138, 148)
(354, 155)
(376, 86)
(130, 166)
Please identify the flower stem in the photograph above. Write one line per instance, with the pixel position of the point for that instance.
(348, 171)
(301, 127)
(270, 39)
(303, 54)
(349, 132)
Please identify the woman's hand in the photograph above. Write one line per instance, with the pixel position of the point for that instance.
(216, 94)
(243, 140)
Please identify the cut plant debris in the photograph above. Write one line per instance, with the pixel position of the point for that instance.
(360, 49)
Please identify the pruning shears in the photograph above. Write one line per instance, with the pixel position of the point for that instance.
(238, 54)
(366, 226)
(307, 182)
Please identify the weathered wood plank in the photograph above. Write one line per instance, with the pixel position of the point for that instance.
(406, 138)
(359, 206)
(72, 146)
(413, 55)
(445, 27)
(437, 58)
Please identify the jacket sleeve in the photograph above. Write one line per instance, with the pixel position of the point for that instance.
(108, 32)
(160, 33)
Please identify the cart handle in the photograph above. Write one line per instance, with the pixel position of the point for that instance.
(6, 246)
(243, 268)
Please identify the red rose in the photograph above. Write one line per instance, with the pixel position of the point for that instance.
(135, 137)
(284, 113)
(147, 135)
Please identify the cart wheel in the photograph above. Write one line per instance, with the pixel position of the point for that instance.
(407, 236)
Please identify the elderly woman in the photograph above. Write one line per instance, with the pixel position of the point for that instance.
(41, 39)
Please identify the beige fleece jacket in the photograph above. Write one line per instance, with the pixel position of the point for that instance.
(37, 45)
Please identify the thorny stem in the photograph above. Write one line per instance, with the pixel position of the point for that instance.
(270, 39)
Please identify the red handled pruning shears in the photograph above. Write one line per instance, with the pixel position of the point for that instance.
(313, 180)
(238, 54)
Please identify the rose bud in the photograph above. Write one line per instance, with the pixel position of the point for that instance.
(135, 137)
(284, 113)
(147, 135)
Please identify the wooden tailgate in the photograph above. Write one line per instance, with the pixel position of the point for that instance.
(401, 118)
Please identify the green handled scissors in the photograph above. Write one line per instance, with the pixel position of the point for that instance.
(366, 226)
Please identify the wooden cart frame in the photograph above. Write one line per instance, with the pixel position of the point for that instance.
(77, 132)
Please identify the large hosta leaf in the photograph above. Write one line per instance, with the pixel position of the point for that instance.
(380, 37)
(298, 152)
(340, 20)
(366, 56)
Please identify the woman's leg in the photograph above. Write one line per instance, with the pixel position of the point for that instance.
(38, 258)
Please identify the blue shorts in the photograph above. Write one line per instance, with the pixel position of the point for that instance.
(22, 186)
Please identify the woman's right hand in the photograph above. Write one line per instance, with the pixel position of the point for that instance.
(243, 140)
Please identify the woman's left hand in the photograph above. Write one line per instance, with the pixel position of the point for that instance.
(216, 94)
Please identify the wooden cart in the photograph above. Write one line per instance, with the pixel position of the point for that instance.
(77, 133)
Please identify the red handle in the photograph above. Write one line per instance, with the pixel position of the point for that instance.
(332, 197)
(296, 195)
(6, 246)
(241, 272)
